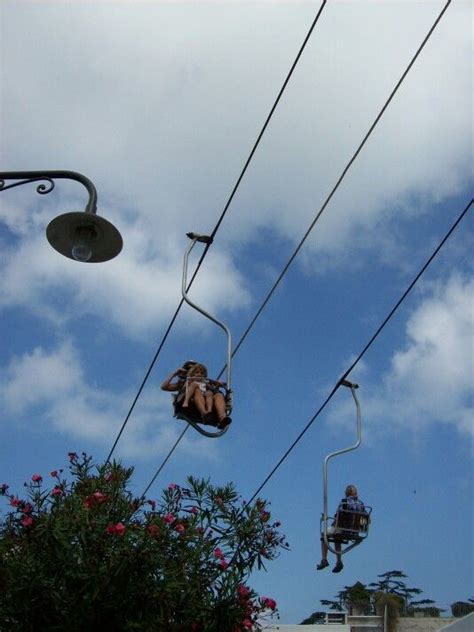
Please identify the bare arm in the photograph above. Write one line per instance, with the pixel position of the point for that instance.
(217, 383)
(171, 384)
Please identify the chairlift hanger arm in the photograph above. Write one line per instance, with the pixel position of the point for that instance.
(325, 517)
(207, 240)
(187, 414)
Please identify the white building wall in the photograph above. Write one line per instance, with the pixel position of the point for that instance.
(404, 624)
(422, 624)
(333, 627)
(466, 624)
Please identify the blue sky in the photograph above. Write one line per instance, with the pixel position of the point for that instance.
(159, 103)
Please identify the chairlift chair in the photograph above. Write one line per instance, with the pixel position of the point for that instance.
(190, 414)
(350, 527)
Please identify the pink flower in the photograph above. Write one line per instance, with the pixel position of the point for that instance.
(99, 497)
(108, 477)
(194, 510)
(223, 564)
(36, 478)
(180, 528)
(120, 528)
(15, 502)
(243, 590)
(218, 553)
(247, 624)
(264, 516)
(54, 473)
(72, 456)
(26, 508)
(116, 529)
(269, 603)
(172, 486)
(57, 491)
(168, 518)
(153, 530)
(27, 521)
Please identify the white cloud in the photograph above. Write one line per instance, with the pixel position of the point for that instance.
(436, 367)
(137, 291)
(430, 378)
(160, 104)
(38, 377)
(53, 387)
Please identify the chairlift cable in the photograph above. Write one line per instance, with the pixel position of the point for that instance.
(359, 357)
(363, 352)
(216, 228)
(331, 194)
(165, 461)
(353, 365)
(341, 178)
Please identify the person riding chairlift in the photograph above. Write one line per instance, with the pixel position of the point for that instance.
(199, 391)
(350, 503)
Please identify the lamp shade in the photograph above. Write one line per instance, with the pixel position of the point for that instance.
(85, 237)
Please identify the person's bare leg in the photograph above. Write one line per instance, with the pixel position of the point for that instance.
(339, 565)
(190, 390)
(219, 405)
(324, 550)
(324, 555)
(199, 401)
(209, 397)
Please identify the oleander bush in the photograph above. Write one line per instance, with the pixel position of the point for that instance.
(83, 554)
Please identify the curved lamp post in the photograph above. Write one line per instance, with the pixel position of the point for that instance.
(82, 236)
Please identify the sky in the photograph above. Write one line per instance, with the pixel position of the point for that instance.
(160, 104)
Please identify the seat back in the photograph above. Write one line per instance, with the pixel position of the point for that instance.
(353, 524)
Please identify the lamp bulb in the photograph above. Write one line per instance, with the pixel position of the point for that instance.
(84, 236)
(81, 252)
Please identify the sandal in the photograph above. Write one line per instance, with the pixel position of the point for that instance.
(224, 422)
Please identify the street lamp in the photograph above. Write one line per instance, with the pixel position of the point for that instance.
(82, 236)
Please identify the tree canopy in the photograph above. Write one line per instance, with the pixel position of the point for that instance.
(84, 554)
(390, 589)
(462, 608)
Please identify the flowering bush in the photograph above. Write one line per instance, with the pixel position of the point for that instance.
(87, 555)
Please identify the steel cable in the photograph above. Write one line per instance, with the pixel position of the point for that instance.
(216, 228)
(363, 352)
(328, 199)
